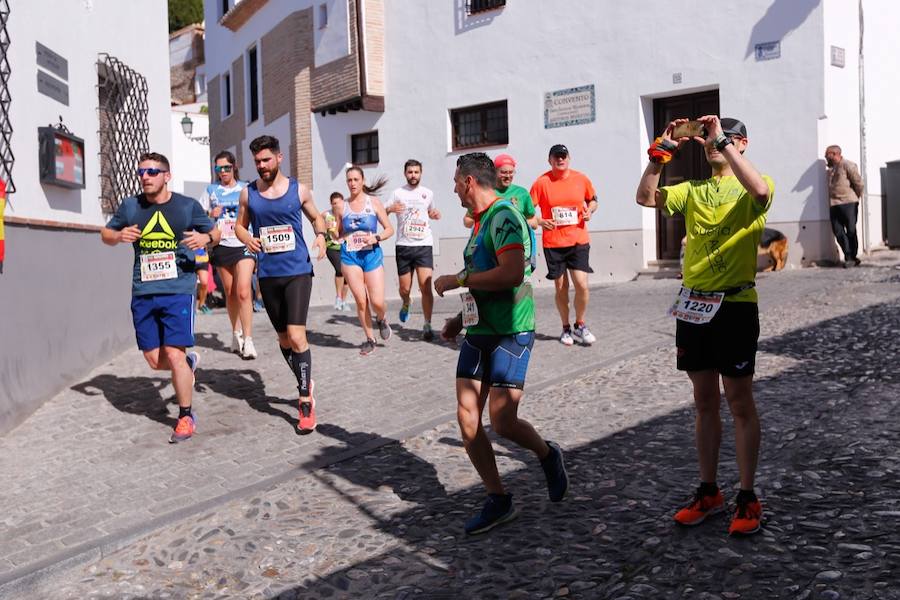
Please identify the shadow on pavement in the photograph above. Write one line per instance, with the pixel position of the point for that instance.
(211, 341)
(827, 477)
(247, 385)
(132, 395)
(411, 478)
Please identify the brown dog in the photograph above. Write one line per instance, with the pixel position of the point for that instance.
(775, 245)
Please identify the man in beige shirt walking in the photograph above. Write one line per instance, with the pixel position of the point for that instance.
(845, 188)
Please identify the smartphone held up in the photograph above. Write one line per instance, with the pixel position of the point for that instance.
(689, 130)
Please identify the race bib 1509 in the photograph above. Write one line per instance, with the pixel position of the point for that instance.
(277, 238)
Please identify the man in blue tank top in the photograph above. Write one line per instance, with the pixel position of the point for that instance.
(272, 205)
(165, 229)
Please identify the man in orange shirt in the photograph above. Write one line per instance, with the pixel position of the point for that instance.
(567, 200)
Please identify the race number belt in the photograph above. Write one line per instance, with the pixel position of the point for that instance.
(564, 215)
(226, 226)
(358, 240)
(157, 266)
(694, 306)
(416, 229)
(470, 310)
(277, 238)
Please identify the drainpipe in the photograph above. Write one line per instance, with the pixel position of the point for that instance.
(863, 201)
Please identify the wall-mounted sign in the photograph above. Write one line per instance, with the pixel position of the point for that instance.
(52, 87)
(837, 56)
(53, 62)
(61, 157)
(572, 106)
(768, 51)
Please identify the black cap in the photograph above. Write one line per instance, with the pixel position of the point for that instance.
(733, 127)
(558, 150)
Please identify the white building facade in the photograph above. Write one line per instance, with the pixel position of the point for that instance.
(334, 79)
(100, 69)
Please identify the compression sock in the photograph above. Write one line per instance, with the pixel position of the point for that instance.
(302, 363)
(709, 488)
(184, 411)
(286, 353)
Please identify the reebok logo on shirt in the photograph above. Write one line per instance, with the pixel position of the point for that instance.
(157, 235)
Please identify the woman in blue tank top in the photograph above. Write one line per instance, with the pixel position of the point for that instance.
(362, 260)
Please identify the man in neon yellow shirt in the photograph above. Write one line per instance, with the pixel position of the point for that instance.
(717, 325)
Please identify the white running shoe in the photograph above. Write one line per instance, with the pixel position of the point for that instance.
(237, 342)
(338, 303)
(566, 338)
(582, 334)
(249, 350)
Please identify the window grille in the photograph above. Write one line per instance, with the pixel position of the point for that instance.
(477, 6)
(124, 129)
(6, 154)
(364, 148)
(482, 125)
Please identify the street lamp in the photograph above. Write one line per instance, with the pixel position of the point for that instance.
(187, 126)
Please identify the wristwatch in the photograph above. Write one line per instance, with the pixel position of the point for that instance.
(721, 141)
(461, 278)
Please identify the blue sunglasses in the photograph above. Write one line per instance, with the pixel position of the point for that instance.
(150, 171)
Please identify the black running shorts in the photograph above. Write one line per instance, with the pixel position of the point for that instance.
(286, 299)
(414, 257)
(726, 344)
(227, 256)
(570, 257)
(334, 257)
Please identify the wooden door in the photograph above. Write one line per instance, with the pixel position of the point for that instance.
(689, 162)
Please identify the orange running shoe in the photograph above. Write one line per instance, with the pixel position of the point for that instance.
(700, 507)
(746, 519)
(184, 429)
(306, 421)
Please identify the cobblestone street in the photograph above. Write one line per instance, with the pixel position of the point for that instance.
(96, 504)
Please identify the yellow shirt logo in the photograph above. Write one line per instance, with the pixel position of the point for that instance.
(157, 234)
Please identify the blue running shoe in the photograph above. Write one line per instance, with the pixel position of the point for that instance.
(555, 471)
(404, 313)
(497, 510)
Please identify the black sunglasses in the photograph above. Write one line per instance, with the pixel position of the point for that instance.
(152, 172)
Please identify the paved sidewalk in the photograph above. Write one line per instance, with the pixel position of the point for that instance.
(92, 470)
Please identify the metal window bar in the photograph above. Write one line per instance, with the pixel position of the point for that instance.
(6, 154)
(477, 6)
(124, 129)
(483, 125)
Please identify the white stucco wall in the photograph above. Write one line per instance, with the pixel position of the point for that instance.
(79, 31)
(190, 160)
(453, 61)
(882, 87)
(332, 41)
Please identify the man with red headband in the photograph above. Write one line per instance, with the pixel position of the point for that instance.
(505, 189)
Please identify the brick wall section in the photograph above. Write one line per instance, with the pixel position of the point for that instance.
(338, 80)
(375, 47)
(287, 54)
(301, 128)
(232, 130)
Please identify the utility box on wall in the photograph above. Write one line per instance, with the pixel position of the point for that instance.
(891, 214)
(61, 158)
